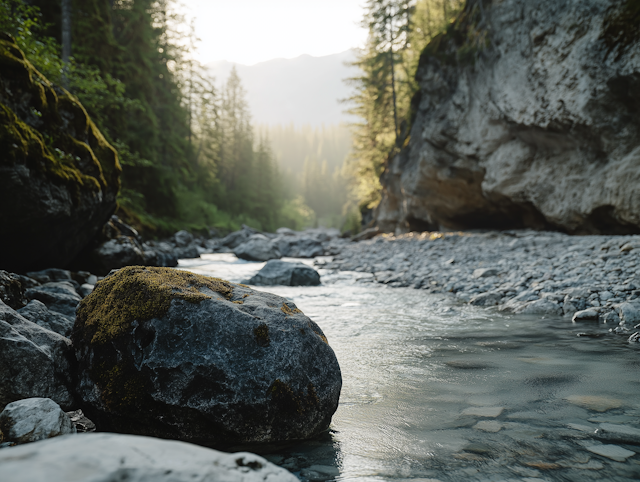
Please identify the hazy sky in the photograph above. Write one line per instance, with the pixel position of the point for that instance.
(251, 31)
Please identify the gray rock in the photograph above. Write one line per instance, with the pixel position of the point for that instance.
(188, 252)
(367, 234)
(51, 274)
(277, 272)
(485, 272)
(299, 246)
(491, 298)
(85, 290)
(257, 248)
(38, 313)
(232, 365)
(464, 167)
(107, 457)
(585, 315)
(81, 422)
(59, 296)
(12, 290)
(33, 419)
(183, 238)
(629, 312)
(236, 238)
(542, 306)
(33, 361)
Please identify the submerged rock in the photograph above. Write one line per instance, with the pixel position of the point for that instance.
(107, 457)
(34, 362)
(62, 190)
(33, 419)
(277, 272)
(257, 248)
(176, 355)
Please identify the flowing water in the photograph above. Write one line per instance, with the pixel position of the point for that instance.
(437, 391)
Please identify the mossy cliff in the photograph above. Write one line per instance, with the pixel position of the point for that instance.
(58, 175)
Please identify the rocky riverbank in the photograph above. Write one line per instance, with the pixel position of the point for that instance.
(527, 272)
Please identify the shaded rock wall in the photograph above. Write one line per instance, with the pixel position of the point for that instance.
(58, 176)
(528, 115)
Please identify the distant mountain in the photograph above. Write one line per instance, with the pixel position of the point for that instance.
(304, 90)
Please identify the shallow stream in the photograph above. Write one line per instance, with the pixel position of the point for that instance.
(437, 391)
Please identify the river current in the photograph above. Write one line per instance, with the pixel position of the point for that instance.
(438, 391)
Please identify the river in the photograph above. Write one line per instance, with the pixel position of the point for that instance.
(438, 391)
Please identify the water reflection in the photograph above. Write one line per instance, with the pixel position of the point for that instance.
(435, 390)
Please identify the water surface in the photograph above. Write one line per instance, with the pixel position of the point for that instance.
(434, 390)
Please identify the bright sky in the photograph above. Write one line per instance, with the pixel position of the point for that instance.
(252, 31)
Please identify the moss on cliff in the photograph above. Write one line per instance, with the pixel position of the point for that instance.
(46, 129)
(621, 28)
(138, 293)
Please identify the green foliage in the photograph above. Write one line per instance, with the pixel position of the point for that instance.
(188, 152)
(399, 30)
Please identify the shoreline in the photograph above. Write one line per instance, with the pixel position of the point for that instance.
(595, 277)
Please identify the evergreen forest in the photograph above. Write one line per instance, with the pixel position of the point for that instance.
(191, 157)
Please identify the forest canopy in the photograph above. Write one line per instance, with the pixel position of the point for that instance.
(191, 157)
(189, 154)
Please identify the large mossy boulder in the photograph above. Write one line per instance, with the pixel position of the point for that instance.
(172, 354)
(58, 175)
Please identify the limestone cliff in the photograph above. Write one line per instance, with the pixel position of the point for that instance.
(528, 115)
(58, 176)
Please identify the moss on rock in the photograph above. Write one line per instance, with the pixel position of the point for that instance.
(138, 293)
(61, 173)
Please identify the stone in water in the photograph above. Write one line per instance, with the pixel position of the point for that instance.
(490, 412)
(613, 452)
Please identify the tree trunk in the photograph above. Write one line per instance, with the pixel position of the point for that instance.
(393, 80)
(66, 41)
(66, 30)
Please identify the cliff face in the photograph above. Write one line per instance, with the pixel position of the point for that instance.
(528, 116)
(58, 176)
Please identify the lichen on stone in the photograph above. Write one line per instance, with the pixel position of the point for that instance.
(139, 293)
(262, 335)
(288, 311)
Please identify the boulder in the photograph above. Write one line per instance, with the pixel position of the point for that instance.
(59, 296)
(38, 313)
(629, 312)
(491, 298)
(172, 354)
(12, 290)
(34, 362)
(529, 122)
(50, 274)
(183, 238)
(277, 272)
(57, 171)
(298, 246)
(543, 306)
(236, 238)
(33, 419)
(257, 248)
(108, 457)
